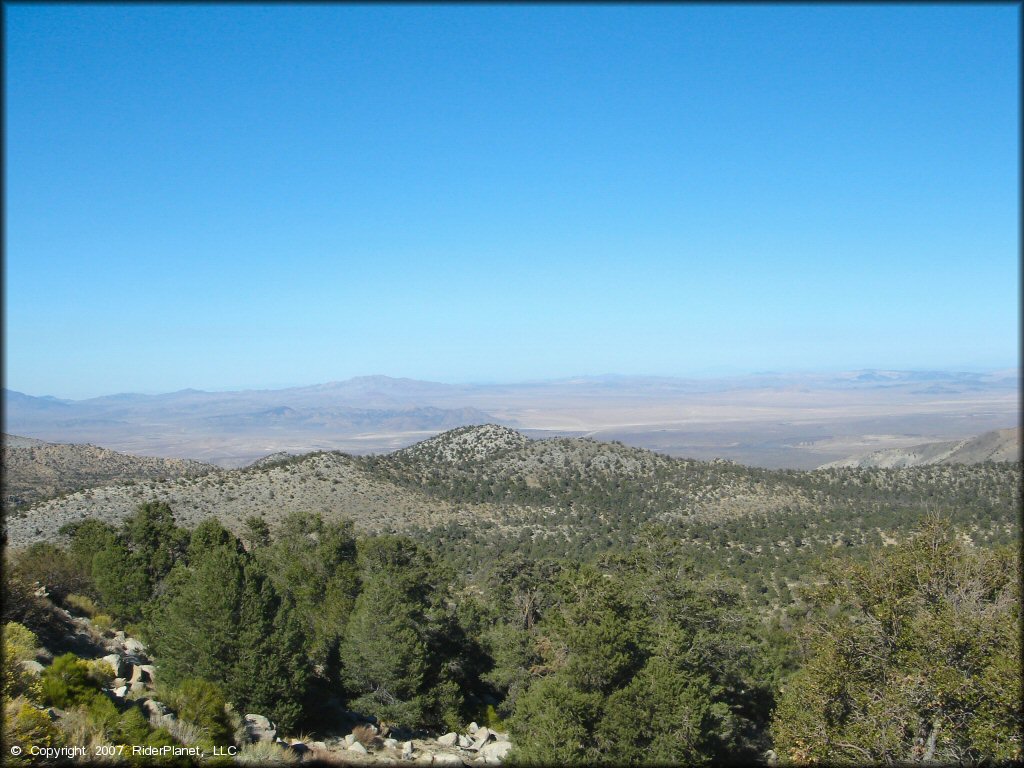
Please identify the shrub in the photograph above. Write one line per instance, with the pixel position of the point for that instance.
(22, 640)
(493, 720)
(66, 682)
(25, 727)
(160, 737)
(265, 753)
(913, 656)
(21, 604)
(52, 567)
(81, 603)
(202, 704)
(185, 732)
(80, 730)
(100, 672)
(19, 646)
(365, 734)
(102, 713)
(132, 727)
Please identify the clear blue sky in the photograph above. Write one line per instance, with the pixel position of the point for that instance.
(249, 196)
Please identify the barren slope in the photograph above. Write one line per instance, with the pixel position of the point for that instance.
(330, 484)
(998, 445)
(35, 470)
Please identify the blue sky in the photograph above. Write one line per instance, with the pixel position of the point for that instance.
(260, 196)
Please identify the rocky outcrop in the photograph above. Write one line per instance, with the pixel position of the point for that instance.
(476, 746)
(258, 728)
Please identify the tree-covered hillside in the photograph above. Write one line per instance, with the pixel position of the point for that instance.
(600, 604)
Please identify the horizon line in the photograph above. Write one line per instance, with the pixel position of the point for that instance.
(707, 375)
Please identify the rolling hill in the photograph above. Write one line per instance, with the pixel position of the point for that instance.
(35, 469)
(998, 445)
(475, 493)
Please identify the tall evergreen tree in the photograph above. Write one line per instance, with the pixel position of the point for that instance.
(121, 580)
(405, 679)
(271, 672)
(384, 652)
(312, 563)
(154, 538)
(194, 626)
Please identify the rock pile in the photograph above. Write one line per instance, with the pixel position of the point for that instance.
(477, 746)
(133, 672)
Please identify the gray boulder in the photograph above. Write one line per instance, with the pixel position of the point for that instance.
(495, 751)
(117, 663)
(158, 714)
(447, 758)
(259, 728)
(32, 666)
(143, 673)
(481, 737)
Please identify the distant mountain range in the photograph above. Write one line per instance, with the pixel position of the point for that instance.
(771, 418)
(998, 445)
(385, 392)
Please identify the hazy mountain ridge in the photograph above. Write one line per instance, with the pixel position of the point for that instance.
(385, 392)
(800, 420)
(998, 445)
(194, 407)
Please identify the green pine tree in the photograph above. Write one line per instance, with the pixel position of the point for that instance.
(271, 672)
(194, 626)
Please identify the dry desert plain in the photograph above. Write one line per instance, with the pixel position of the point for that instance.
(773, 421)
